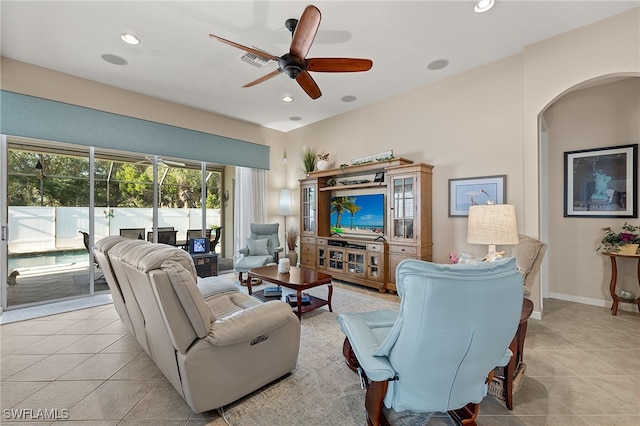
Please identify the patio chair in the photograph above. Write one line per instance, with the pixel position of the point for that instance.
(216, 238)
(165, 237)
(133, 233)
(85, 240)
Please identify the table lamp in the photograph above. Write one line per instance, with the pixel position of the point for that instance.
(492, 224)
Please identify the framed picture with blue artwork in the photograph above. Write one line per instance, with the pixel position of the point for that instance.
(465, 192)
(601, 182)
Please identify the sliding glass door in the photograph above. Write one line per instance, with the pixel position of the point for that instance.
(61, 198)
(48, 208)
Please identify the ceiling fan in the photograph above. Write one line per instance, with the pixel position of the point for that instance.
(295, 63)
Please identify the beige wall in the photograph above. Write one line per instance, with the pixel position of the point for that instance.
(479, 123)
(605, 115)
(552, 68)
(469, 125)
(485, 122)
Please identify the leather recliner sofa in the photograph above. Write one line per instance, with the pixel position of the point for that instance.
(210, 340)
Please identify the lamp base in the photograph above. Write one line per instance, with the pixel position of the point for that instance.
(493, 255)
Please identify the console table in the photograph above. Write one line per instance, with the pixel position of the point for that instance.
(614, 280)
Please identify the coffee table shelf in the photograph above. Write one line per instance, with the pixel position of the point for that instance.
(316, 302)
(298, 280)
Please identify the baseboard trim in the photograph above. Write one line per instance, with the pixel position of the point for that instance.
(593, 302)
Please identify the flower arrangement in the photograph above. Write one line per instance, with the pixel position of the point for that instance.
(612, 241)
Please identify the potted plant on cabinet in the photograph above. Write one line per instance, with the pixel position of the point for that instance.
(292, 242)
(625, 242)
(308, 156)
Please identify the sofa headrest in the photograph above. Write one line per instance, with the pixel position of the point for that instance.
(264, 228)
(180, 270)
(105, 244)
(147, 256)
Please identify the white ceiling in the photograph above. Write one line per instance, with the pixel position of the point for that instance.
(177, 61)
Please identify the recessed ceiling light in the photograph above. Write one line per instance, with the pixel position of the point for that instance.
(348, 98)
(483, 6)
(438, 64)
(287, 99)
(130, 39)
(114, 59)
(295, 118)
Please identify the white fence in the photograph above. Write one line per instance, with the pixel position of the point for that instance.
(37, 229)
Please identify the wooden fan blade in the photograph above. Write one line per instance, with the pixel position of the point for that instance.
(245, 48)
(305, 32)
(264, 78)
(309, 85)
(338, 64)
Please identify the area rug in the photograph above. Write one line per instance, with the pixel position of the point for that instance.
(322, 390)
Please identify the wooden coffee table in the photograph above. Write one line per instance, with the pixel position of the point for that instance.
(297, 279)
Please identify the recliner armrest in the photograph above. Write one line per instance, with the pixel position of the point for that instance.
(250, 323)
(364, 345)
(505, 359)
(211, 286)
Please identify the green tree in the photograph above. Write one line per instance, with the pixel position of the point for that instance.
(353, 209)
(214, 181)
(60, 180)
(135, 182)
(339, 205)
(63, 180)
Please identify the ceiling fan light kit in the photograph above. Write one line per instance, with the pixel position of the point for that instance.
(483, 6)
(130, 39)
(295, 63)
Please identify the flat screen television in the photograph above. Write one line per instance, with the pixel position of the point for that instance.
(358, 215)
(198, 245)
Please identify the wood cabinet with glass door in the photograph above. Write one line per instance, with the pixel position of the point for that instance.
(321, 253)
(362, 260)
(312, 204)
(409, 216)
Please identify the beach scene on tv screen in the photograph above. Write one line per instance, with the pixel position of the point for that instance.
(358, 214)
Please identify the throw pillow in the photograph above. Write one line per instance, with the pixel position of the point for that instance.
(258, 247)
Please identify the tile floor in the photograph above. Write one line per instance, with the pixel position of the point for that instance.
(60, 282)
(583, 369)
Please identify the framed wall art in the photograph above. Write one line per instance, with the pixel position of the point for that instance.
(601, 182)
(465, 192)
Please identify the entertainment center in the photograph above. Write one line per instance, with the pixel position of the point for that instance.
(358, 222)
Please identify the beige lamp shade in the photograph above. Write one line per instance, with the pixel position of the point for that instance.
(492, 224)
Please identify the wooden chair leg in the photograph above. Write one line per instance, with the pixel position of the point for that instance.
(373, 403)
(349, 356)
(509, 374)
(466, 415)
(375, 390)
(255, 281)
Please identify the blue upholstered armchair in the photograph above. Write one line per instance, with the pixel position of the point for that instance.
(437, 353)
(263, 248)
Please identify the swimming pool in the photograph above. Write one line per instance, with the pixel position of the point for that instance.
(60, 257)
